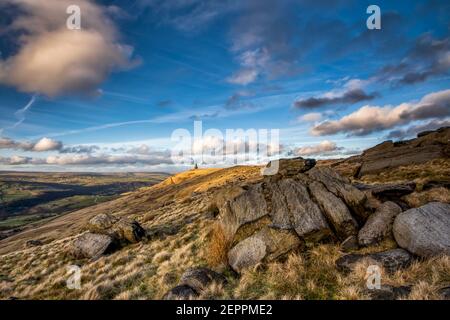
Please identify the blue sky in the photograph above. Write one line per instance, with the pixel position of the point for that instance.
(108, 97)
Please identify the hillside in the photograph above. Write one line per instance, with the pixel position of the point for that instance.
(217, 218)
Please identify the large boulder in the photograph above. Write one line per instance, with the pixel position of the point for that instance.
(246, 207)
(266, 245)
(342, 188)
(292, 207)
(335, 210)
(200, 278)
(379, 224)
(424, 231)
(91, 245)
(391, 260)
(101, 223)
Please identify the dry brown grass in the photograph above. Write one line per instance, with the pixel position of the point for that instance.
(417, 199)
(218, 245)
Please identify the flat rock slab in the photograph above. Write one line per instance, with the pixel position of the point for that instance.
(391, 260)
(379, 225)
(91, 245)
(424, 231)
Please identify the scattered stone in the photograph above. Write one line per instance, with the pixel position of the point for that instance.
(350, 244)
(33, 243)
(424, 231)
(182, 292)
(379, 225)
(268, 244)
(388, 292)
(91, 245)
(391, 260)
(200, 278)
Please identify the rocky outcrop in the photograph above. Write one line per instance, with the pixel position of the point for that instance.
(390, 154)
(33, 243)
(302, 203)
(288, 167)
(91, 245)
(424, 231)
(379, 224)
(122, 230)
(266, 245)
(391, 260)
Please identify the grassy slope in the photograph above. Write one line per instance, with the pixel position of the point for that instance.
(180, 209)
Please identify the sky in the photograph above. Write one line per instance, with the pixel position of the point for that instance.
(112, 95)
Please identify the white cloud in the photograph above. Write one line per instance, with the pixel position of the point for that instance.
(321, 148)
(44, 144)
(54, 60)
(244, 76)
(47, 144)
(374, 118)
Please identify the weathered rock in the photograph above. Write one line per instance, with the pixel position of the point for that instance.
(33, 243)
(304, 215)
(379, 225)
(394, 154)
(341, 187)
(91, 245)
(424, 231)
(247, 207)
(391, 260)
(101, 223)
(200, 278)
(266, 245)
(288, 167)
(388, 292)
(182, 292)
(350, 244)
(335, 210)
(128, 230)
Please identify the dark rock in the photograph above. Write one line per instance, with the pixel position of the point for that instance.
(436, 184)
(424, 231)
(350, 244)
(392, 192)
(121, 229)
(33, 243)
(182, 292)
(391, 260)
(388, 292)
(200, 278)
(445, 293)
(379, 225)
